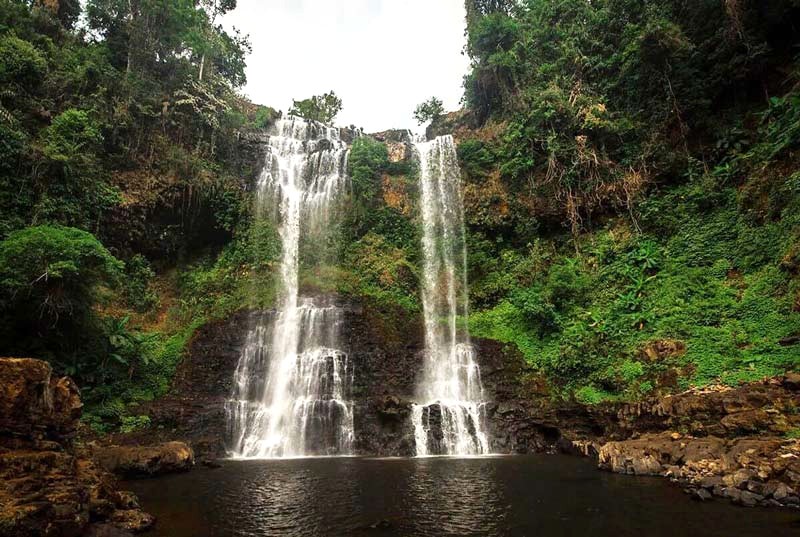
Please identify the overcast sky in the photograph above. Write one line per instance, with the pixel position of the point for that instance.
(382, 57)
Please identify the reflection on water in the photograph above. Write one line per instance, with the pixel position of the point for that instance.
(457, 501)
(293, 499)
(541, 496)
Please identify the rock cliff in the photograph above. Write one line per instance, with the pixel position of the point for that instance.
(48, 486)
(385, 346)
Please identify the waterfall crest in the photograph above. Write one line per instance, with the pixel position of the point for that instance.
(292, 385)
(450, 420)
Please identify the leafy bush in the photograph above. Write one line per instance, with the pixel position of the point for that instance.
(537, 310)
(48, 272)
(71, 191)
(134, 423)
(430, 110)
(382, 271)
(590, 395)
(16, 194)
(368, 159)
(264, 117)
(20, 62)
(137, 288)
(323, 108)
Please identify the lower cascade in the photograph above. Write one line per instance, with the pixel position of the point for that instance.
(292, 386)
(450, 420)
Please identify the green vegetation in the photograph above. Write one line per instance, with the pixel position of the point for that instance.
(632, 197)
(123, 218)
(430, 110)
(632, 192)
(323, 108)
(50, 280)
(380, 241)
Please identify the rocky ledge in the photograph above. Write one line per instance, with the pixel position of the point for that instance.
(748, 471)
(48, 486)
(727, 442)
(145, 461)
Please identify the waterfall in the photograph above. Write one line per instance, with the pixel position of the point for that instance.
(451, 418)
(291, 395)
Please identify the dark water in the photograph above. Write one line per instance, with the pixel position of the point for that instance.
(541, 496)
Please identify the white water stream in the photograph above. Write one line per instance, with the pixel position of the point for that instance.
(291, 395)
(450, 418)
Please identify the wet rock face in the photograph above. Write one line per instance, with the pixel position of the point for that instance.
(385, 347)
(47, 486)
(387, 350)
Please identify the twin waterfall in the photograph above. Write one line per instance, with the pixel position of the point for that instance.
(292, 384)
(292, 394)
(450, 421)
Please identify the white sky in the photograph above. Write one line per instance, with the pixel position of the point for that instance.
(381, 57)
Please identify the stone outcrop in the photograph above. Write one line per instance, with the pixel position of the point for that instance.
(47, 485)
(749, 471)
(719, 441)
(766, 407)
(145, 461)
(35, 406)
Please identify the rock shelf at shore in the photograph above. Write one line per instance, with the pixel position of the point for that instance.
(49, 485)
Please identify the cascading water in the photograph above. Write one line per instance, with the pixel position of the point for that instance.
(450, 419)
(291, 395)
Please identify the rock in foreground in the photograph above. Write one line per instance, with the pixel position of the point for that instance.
(47, 486)
(145, 461)
(748, 471)
(725, 442)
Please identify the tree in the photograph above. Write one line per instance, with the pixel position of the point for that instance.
(51, 280)
(69, 186)
(430, 110)
(159, 37)
(66, 11)
(212, 41)
(323, 108)
(47, 272)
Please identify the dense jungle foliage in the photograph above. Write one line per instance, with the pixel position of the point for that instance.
(631, 189)
(122, 176)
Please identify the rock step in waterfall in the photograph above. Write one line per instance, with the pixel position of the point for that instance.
(450, 417)
(292, 389)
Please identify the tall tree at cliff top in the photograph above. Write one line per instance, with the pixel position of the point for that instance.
(323, 108)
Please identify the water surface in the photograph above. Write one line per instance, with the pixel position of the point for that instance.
(537, 495)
